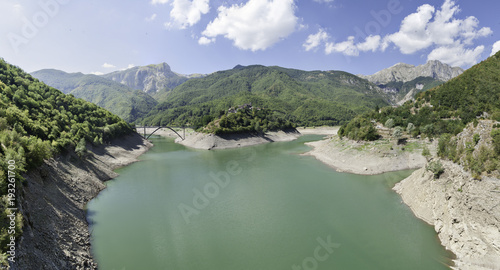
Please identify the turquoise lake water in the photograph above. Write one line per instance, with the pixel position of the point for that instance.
(260, 207)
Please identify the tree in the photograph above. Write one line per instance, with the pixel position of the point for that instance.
(81, 147)
(389, 124)
(410, 128)
(398, 133)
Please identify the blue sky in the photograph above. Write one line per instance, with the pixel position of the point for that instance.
(203, 36)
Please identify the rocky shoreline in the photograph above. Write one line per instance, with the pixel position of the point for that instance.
(56, 232)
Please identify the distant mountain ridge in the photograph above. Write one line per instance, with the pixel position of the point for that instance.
(152, 79)
(308, 98)
(402, 72)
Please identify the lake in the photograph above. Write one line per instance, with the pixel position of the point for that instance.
(260, 207)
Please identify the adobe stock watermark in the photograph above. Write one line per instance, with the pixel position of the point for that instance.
(381, 19)
(320, 254)
(30, 28)
(212, 189)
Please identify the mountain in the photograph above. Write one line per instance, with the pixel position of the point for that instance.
(445, 111)
(38, 122)
(402, 81)
(155, 80)
(402, 72)
(121, 100)
(306, 97)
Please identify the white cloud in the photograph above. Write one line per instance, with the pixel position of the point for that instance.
(205, 40)
(151, 18)
(456, 55)
(154, 2)
(372, 43)
(184, 13)
(413, 34)
(496, 48)
(430, 27)
(106, 65)
(314, 40)
(346, 47)
(96, 73)
(255, 25)
(324, 1)
(187, 13)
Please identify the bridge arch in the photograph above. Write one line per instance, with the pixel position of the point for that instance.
(158, 128)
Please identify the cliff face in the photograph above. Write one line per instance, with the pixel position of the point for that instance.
(150, 79)
(56, 233)
(464, 212)
(404, 72)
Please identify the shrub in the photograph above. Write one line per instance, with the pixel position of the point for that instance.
(436, 168)
(389, 123)
(425, 152)
(476, 138)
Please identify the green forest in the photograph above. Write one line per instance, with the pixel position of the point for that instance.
(247, 119)
(38, 122)
(311, 98)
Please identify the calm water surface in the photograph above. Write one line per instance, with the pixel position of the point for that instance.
(261, 207)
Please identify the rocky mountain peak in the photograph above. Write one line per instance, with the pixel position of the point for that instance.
(150, 78)
(402, 72)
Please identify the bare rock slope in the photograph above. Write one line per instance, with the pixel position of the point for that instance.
(56, 233)
(464, 212)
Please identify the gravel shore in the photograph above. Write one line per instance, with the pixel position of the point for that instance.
(211, 141)
(367, 158)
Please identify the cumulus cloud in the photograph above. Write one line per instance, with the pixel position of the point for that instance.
(456, 55)
(314, 40)
(98, 73)
(106, 65)
(430, 27)
(187, 13)
(496, 48)
(346, 47)
(413, 35)
(255, 25)
(205, 40)
(184, 13)
(372, 43)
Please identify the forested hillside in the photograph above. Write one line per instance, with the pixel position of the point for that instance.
(37, 122)
(119, 99)
(306, 98)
